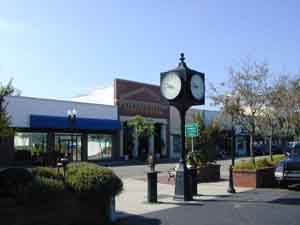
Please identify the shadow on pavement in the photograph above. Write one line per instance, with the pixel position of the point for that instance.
(192, 203)
(287, 197)
(287, 201)
(294, 188)
(138, 220)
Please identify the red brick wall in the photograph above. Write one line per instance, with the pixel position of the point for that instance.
(262, 178)
(244, 179)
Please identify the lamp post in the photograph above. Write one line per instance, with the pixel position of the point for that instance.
(182, 88)
(72, 114)
(231, 184)
(232, 107)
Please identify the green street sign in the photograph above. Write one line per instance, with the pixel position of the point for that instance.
(191, 130)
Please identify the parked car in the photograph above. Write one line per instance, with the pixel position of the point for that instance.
(288, 171)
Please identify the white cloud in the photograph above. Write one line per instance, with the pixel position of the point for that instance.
(103, 95)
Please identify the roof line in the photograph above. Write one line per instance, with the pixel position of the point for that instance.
(137, 82)
(59, 100)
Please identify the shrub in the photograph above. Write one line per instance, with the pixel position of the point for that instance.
(262, 163)
(88, 177)
(47, 172)
(198, 158)
(276, 159)
(259, 163)
(15, 180)
(44, 184)
(244, 165)
(22, 155)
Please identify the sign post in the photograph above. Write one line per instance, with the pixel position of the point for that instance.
(191, 130)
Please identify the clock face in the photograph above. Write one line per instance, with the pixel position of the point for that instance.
(171, 86)
(197, 87)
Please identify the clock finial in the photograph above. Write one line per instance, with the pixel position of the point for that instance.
(182, 58)
(182, 62)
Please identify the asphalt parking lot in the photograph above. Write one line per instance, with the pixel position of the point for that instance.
(136, 171)
(255, 207)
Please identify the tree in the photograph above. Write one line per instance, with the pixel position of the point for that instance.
(268, 123)
(5, 90)
(244, 96)
(208, 137)
(295, 95)
(286, 102)
(141, 126)
(143, 129)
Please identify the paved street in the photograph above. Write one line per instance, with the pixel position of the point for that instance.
(135, 171)
(254, 207)
(133, 198)
(213, 205)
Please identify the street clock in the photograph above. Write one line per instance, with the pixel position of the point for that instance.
(182, 88)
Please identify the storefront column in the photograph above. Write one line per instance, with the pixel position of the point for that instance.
(51, 160)
(164, 139)
(121, 143)
(116, 145)
(151, 145)
(84, 147)
(237, 150)
(136, 146)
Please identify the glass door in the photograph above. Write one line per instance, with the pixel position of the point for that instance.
(68, 145)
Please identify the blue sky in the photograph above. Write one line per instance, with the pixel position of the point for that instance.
(64, 48)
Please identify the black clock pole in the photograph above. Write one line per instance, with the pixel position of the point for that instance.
(183, 100)
(182, 118)
(183, 187)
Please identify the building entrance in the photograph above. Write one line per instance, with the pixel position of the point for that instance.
(68, 145)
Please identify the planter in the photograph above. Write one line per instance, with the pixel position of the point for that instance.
(112, 217)
(208, 173)
(55, 208)
(261, 178)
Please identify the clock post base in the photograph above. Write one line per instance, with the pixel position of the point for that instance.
(183, 184)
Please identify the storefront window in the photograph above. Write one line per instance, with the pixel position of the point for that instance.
(68, 145)
(29, 145)
(99, 146)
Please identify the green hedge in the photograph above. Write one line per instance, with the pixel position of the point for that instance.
(47, 172)
(277, 158)
(88, 177)
(260, 163)
(83, 198)
(45, 185)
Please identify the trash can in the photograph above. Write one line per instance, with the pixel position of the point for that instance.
(152, 187)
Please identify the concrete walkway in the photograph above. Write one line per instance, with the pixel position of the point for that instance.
(133, 200)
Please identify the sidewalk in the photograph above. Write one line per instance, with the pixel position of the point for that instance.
(133, 200)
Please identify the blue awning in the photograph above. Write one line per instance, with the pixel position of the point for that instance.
(55, 122)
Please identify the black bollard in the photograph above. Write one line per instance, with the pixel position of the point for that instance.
(152, 187)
